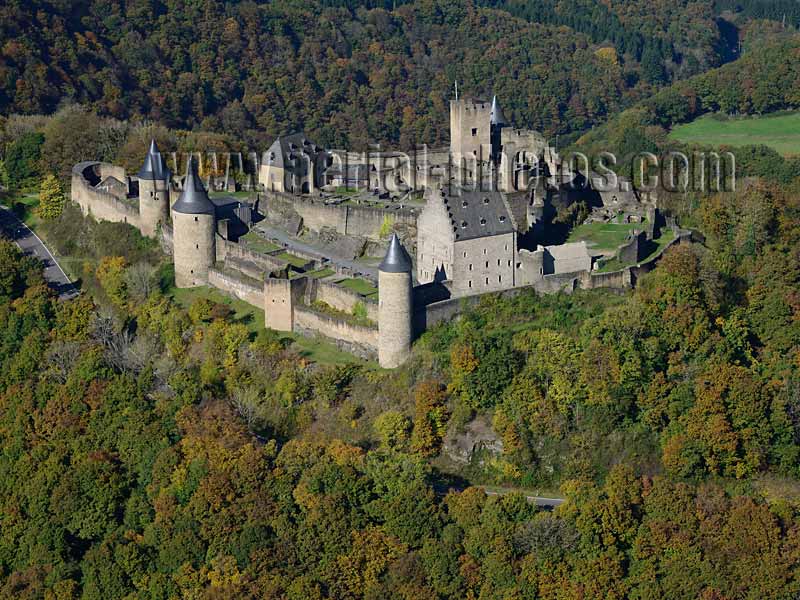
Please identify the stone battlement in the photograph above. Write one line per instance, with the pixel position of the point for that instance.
(102, 205)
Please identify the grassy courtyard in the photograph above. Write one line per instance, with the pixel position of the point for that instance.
(257, 243)
(293, 260)
(359, 286)
(781, 132)
(667, 235)
(603, 237)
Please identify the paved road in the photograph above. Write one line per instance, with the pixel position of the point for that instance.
(289, 243)
(538, 500)
(30, 244)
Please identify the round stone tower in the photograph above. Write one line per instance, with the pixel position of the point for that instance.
(153, 192)
(394, 306)
(194, 227)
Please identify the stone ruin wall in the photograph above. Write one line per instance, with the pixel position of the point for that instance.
(356, 221)
(101, 205)
(362, 341)
(339, 298)
(237, 287)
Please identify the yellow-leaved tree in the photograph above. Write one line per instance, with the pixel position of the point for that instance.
(51, 198)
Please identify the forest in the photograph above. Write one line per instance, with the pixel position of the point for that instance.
(150, 450)
(349, 73)
(155, 446)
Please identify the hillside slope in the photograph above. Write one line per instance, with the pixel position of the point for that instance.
(244, 67)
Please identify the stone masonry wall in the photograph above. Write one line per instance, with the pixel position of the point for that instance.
(244, 290)
(101, 205)
(364, 221)
(306, 320)
(340, 298)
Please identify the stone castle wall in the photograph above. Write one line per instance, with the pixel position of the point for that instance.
(101, 205)
(352, 220)
(339, 298)
(338, 330)
(227, 250)
(236, 286)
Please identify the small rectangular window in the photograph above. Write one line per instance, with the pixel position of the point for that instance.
(474, 132)
(470, 283)
(470, 266)
(487, 281)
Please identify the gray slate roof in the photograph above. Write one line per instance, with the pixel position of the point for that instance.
(478, 214)
(496, 114)
(286, 149)
(193, 199)
(154, 167)
(397, 259)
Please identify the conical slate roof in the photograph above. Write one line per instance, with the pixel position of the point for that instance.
(154, 167)
(396, 259)
(496, 114)
(193, 199)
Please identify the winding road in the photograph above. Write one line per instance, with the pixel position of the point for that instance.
(30, 244)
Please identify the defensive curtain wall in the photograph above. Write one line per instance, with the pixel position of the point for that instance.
(294, 212)
(101, 205)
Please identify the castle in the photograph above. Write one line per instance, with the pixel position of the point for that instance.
(486, 201)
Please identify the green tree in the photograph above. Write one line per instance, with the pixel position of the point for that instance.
(22, 158)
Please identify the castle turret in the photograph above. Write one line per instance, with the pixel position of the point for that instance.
(394, 306)
(194, 227)
(153, 192)
(497, 122)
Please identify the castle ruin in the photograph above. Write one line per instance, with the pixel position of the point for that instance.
(483, 225)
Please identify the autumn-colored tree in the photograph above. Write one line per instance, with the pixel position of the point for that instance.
(51, 198)
(110, 274)
(430, 417)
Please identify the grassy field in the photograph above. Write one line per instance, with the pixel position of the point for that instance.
(24, 205)
(781, 132)
(603, 236)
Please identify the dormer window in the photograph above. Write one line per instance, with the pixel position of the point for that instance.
(502, 218)
(486, 201)
(464, 204)
(483, 221)
(463, 224)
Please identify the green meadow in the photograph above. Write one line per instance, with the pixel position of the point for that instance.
(781, 132)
